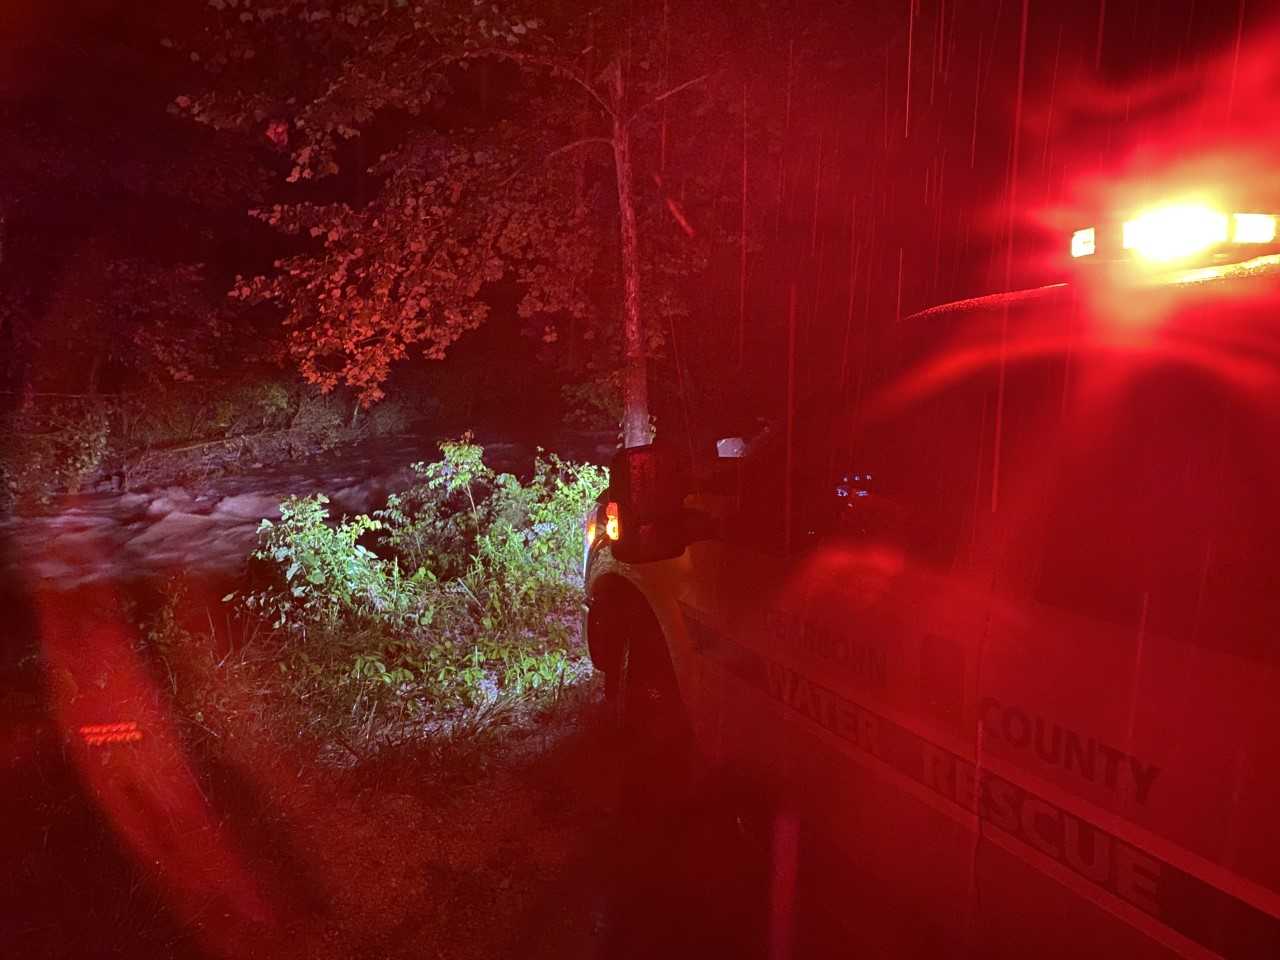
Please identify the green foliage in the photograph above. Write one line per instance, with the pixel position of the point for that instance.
(566, 491)
(172, 415)
(328, 574)
(435, 523)
(59, 443)
(595, 403)
(253, 405)
(182, 413)
(462, 512)
(486, 617)
(321, 417)
(57, 447)
(388, 418)
(528, 196)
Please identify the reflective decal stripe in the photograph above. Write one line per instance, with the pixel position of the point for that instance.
(1181, 901)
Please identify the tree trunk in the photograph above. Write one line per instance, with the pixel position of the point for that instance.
(635, 380)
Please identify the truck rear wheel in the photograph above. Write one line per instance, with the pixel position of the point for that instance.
(648, 716)
(685, 878)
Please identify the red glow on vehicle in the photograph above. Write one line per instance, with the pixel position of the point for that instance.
(859, 575)
(1110, 330)
(785, 855)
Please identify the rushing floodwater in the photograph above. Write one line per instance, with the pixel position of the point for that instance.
(211, 526)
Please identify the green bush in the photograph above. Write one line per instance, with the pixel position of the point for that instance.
(327, 574)
(179, 413)
(166, 416)
(57, 447)
(459, 596)
(594, 403)
(60, 444)
(322, 417)
(436, 523)
(388, 418)
(253, 405)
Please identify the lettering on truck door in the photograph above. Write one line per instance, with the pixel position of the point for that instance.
(1086, 749)
(1128, 736)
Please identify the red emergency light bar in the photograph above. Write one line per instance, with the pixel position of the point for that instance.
(1177, 232)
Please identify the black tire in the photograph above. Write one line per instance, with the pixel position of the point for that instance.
(649, 720)
(686, 871)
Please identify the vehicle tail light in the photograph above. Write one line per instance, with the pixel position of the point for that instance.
(611, 520)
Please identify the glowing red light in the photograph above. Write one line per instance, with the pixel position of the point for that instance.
(98, 734)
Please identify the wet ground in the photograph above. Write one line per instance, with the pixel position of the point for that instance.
(545, 846)
(533, 857)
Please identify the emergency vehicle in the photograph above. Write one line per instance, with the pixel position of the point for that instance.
(1002, 630)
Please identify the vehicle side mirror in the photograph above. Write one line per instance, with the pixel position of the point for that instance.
(647, 488)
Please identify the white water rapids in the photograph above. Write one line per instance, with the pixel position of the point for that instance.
(210, 526)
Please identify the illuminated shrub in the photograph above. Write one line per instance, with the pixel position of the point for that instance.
(460, 595)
